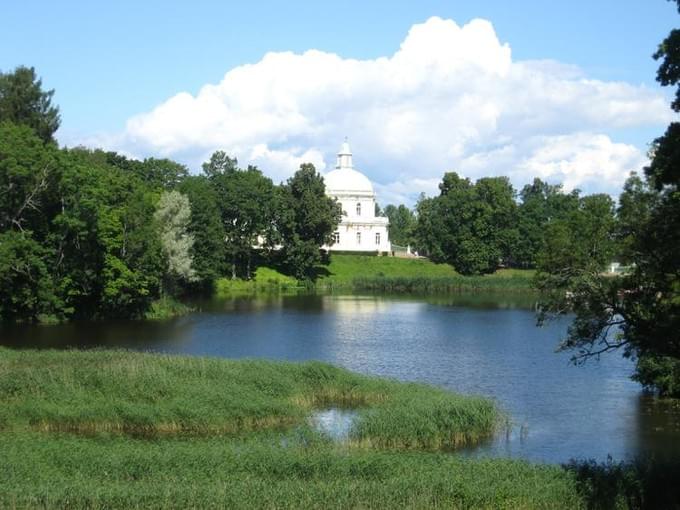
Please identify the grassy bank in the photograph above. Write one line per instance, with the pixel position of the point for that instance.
(102, 429)
(383, 274)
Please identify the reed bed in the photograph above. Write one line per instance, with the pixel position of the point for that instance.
(67, 471)
(116, 429)
(150, 395)
(442, 285)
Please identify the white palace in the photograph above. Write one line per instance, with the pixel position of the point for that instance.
(360, 229)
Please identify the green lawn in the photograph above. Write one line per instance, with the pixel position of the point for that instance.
(389, 274)
(344, 269)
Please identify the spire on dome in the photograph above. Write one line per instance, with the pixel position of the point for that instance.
(344, 156)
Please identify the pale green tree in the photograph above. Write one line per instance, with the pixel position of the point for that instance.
(173, 216)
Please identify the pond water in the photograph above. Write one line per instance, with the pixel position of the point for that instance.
(482, 344)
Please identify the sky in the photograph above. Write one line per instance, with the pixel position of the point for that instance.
(564, 91)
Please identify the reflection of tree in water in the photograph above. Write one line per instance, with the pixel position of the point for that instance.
(658, 426)
(137, 334)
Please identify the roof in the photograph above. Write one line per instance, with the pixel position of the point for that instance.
(347, 179)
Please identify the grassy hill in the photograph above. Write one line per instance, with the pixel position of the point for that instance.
(388, 274)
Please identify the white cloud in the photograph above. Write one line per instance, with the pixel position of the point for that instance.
(578, 160)
(450, 97)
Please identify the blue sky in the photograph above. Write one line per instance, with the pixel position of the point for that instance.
(110, 62)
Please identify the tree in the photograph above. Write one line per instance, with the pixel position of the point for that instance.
(108, 255)
(28, 173)
(470, 226)
(27, 289)
(172, 217)
(22, 101)
(162, 173)
(541, 203)
(206, 227)
(246, 202)
(220, 163)
(402, 224)
(305, 219)
(638, 312)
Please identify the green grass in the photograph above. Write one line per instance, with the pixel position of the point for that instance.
(74, 472)
(265, 279)
(381, 274)
(126, 393)
(115, 429)
(166, 308)
(399, 275)
(344, 269)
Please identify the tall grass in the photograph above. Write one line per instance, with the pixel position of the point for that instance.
(458, 283)
(423, 419)
(145, 395)
(115, 429)
(66, 471)
(166, 308)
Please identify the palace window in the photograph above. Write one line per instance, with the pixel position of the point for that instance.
(377, 238)
(358, 237)
(358, 208)
(336, 237)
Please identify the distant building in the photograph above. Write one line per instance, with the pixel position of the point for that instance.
(360, 230)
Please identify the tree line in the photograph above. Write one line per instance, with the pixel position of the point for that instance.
(89, 234)
(478, 227)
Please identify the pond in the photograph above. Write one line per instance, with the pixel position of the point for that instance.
(484, 344)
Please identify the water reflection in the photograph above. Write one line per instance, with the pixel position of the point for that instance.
(475, 343)
(335, 423)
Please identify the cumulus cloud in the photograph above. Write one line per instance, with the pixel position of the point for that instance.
(449, 98)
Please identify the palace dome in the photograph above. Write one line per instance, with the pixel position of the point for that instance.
(345, 178)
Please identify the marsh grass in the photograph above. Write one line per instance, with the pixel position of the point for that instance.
(153, 395)
(116, 429)
(166, 308)
(499, 281)
(68, 471)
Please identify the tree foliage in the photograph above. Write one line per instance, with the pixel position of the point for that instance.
(305, 220)
(172, 217)
(245, 198)
(639, 311)
(206, 227)
(24, 102)
(402, 223)
(469, 225)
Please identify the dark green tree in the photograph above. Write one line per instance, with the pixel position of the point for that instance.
(246, 202)
(470, 226)
(162, 173)
(28, 175)
(27, 287)
(23, 101)
(305, 219)
(109, 260)
(208, 250)
(220, 163)
(540, 204)
(638, 312)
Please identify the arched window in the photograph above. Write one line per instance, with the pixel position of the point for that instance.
(358, 237)
(358, 208)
